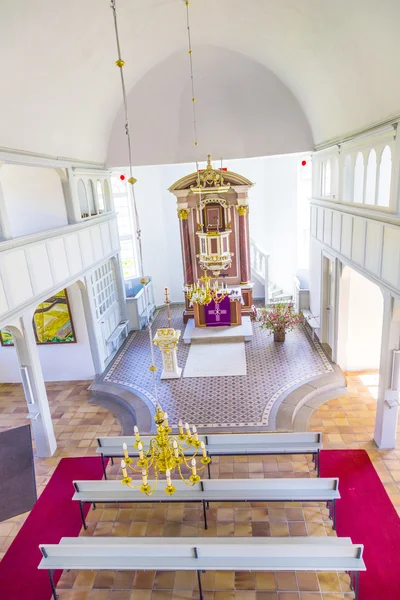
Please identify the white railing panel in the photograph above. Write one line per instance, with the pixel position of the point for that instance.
(34, 267)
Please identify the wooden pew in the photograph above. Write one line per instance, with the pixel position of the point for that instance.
(205, 554)
(227, 444)
(215, 490)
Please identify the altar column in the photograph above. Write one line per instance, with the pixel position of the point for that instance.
(183, 214)
(244, 243)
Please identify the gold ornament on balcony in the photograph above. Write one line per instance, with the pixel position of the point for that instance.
(165, 455)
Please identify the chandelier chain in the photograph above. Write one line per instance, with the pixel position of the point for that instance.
(194, 99)
(120, 63)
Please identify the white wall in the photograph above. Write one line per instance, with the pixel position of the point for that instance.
(242, 109)
(60, 362)
(360, 322)
(273, 208)
(33, 199)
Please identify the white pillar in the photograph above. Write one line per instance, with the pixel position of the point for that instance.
(386, 410)
(34, 387)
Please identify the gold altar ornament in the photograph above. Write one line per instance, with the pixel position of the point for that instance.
(242, 210)
(183, 213)
(165, 455)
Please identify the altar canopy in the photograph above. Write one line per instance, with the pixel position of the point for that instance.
(212, 207)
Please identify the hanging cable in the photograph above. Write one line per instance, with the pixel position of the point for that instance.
(120, 63)
(190, 51)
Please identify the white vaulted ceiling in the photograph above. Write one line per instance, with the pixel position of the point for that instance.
(337, 62)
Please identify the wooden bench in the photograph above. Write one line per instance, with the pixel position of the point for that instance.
(205, 554)
(226, 444)
(311, 321)
(215, 490)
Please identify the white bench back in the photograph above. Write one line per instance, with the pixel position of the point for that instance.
(226, 440)
(221, 485)
(251, 548)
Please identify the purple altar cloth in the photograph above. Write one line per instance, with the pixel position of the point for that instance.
(218, 315)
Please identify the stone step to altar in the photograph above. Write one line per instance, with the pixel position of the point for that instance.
(237, 333)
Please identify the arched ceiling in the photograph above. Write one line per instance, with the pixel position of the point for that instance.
(59, 88)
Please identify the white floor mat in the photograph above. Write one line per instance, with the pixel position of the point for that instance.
(216, 360)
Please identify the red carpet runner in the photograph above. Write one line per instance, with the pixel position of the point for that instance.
(366, 514)
(54, 516)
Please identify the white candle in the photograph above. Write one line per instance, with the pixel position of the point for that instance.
(168, 476)
(123, 467)
(137, 435)
(187, 429)
(196, 437)
(176, 452)
(144, 477)
(140, 448)
(203, 449)
(194, 466)
(180, 427)
(125, 448)
(166, 419)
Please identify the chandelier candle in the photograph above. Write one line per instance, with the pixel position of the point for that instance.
(165, 455)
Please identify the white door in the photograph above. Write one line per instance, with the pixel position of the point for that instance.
(330, 305)
(328, 301)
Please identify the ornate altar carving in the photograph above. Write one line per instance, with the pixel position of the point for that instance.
(212, 207)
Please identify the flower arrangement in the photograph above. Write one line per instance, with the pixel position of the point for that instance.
(278, 319)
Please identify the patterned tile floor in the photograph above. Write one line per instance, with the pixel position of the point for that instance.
(222, 401)
(346, 422)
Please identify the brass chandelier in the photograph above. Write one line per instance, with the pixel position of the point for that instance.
(205, 293)
(165, 454)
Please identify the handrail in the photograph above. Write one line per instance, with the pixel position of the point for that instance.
(259, 260)
(52, 233)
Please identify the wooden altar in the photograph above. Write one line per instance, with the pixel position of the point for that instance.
(212, 206)
(226, 313)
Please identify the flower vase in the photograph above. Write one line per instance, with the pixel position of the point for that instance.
(279, 335)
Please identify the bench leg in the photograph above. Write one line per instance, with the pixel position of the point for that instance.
(356, 584)
(112, 461)
(205, 514)
(200, 588)
(94, 505)
(334, 514)
(209, 470)
(104, 466)
(317, 462)
(53, 587)
(82, 514)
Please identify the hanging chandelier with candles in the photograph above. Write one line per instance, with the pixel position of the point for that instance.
(166, 453)
(204, 293)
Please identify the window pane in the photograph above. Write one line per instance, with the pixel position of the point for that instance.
(359, 179)
(370, 188)
(385, 173)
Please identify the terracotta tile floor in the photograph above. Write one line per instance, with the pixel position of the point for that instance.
(346, 422)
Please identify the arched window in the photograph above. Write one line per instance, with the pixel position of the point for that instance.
(347, 178)
(100, 196)
(83, 203)
(91, 199)
(385, 174)
(327, 178)
(370, 186)
(359, 179)
(107, 195)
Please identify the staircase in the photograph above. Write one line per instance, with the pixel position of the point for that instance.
(260, 271)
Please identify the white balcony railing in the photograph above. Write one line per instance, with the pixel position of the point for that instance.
(34, 267)
(259, 260)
